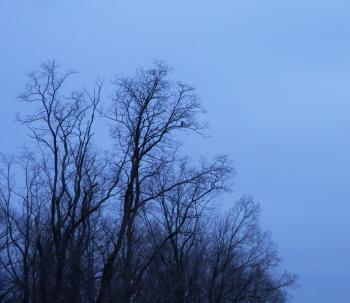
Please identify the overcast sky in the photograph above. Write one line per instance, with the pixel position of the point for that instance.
(274, 77)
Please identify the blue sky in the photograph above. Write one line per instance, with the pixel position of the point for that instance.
(274, 77)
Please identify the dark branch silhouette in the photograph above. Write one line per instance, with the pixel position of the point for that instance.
(136, 224)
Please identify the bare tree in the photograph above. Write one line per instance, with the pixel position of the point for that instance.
(148, 110)
(242, 259)
(135, 224)
(65, 178)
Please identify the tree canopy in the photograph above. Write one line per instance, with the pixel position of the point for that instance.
(140, 223)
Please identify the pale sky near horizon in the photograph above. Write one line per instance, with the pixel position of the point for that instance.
(273, 76)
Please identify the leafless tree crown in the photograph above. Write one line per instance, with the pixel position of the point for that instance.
(136, 224)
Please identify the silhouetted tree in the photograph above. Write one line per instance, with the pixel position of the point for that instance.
(136, 224)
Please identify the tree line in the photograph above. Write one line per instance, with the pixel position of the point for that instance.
(139, 223)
